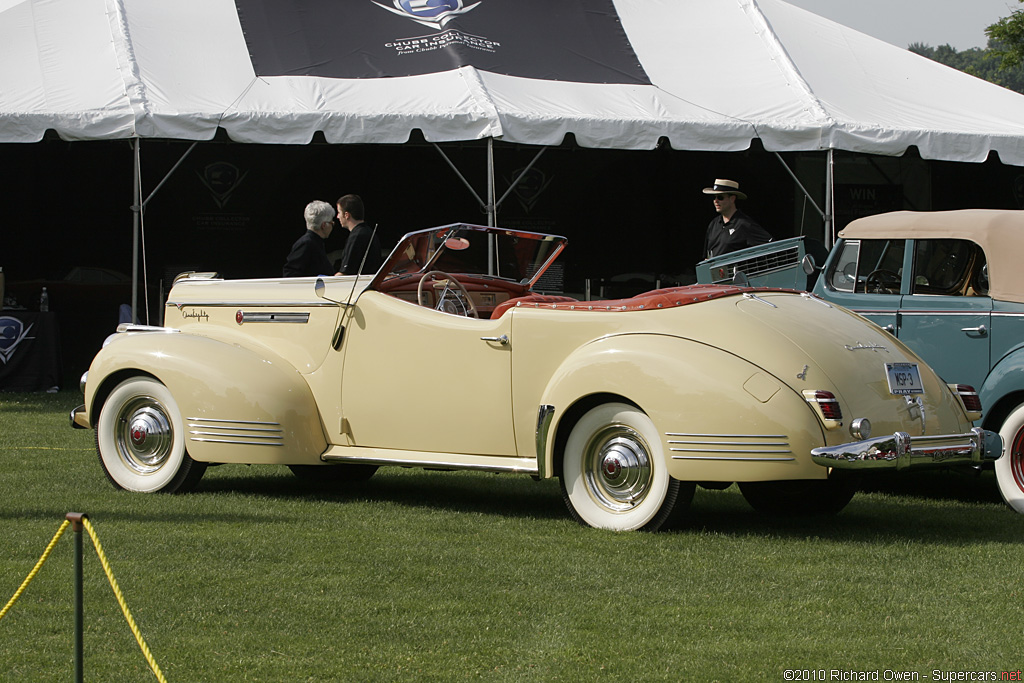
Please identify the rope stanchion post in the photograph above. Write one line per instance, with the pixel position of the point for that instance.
(76, 519)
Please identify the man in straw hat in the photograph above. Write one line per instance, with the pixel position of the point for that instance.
(731, 229)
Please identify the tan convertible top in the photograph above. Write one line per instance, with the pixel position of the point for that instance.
(999, 233)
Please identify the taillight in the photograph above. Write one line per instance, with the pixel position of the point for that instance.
(827, 405)
(967, 394)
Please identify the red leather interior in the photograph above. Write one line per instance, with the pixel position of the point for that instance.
(659, 298)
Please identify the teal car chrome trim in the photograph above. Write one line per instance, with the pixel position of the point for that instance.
(901, 451)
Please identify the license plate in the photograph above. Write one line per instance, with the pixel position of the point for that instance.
(904, 378)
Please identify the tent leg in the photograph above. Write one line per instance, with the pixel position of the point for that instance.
(136, 213)
(830, 238)
(801, 186)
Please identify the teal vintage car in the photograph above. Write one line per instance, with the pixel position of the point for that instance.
(949, 284)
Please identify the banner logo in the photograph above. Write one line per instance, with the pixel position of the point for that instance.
(431, 13)
(12, 331)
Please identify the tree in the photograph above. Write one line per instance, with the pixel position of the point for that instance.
(1008, 34)
(982, 63)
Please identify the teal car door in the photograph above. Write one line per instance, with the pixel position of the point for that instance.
(946, 316)
(866, 276)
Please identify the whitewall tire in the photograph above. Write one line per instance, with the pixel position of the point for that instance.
(140, 438)
(1010, 467)
(614, 474)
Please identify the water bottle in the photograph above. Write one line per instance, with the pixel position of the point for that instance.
(44, 301)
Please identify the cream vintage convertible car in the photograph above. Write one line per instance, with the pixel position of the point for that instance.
(448, 359)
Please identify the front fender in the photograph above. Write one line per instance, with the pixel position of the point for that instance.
(1006, 378)
(239, 405)
(720, 417)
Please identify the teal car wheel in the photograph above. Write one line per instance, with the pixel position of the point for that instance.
(1010, 467)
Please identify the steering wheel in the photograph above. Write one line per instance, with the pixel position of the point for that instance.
(461, 304)
(882, 281)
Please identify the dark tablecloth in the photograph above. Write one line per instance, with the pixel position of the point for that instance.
(29, 351)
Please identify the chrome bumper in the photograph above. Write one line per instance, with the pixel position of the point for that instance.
(901, 451)
(78, 418)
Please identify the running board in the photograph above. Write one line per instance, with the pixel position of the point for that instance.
(440, 461)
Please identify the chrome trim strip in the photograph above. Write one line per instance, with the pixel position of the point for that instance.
(238, 443)
(722, 450)
(237, 422)
(429, 464)
(729, 436)
(257, 433)
(733, 443)
(275, 317)
(544, 415)
(237, 429)
(276, 437)
(710, 457)
(238, 304)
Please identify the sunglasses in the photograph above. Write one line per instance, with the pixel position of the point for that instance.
(722, 197)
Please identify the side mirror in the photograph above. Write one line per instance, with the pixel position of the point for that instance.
(808, 265)
(320, 288)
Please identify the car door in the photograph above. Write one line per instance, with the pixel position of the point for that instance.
(944, 317)
(422, 380)
(866, 276)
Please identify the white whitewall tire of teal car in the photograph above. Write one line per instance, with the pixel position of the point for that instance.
(614, 474)
(1010, 467)
(140, 437)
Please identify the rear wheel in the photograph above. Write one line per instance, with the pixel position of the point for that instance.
(1010, 467)
(140, 439)
(614, 474)
(801, 497)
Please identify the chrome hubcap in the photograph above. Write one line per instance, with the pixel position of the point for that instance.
(617, 468)
(144, 435)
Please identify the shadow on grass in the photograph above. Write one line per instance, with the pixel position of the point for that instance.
(966, 517)
(507, 495)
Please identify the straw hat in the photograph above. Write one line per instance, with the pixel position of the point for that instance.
(722, 186)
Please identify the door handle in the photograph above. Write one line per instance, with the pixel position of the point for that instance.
(503, 339)
(980, 330)
(890, 328)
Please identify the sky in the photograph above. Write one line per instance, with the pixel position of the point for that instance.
(960, 23)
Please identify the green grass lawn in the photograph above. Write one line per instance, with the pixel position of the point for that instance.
(435, 576)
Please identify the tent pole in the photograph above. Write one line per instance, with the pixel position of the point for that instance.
(830, 237)
(491, 218)
(136, 213)
(801, 186)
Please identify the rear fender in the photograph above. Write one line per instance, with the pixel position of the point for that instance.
(239, 405)
(701, 399)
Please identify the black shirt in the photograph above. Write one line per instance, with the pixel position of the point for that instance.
(361, 241)
(739, 233)
(308, 257)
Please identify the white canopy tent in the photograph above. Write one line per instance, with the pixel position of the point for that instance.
(720, 72)
(707, 75)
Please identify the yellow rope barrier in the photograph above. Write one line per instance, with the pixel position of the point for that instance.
(113, 584)
(120, 600)
(35, 570)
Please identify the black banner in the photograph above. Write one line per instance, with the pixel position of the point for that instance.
(558, 40)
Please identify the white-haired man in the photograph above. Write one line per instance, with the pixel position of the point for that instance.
(308, 256)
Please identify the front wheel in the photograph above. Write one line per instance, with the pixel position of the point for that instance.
(141, 440)
(1010, 467)
(614, 474)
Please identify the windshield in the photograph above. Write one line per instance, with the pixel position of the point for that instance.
(521, 257)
